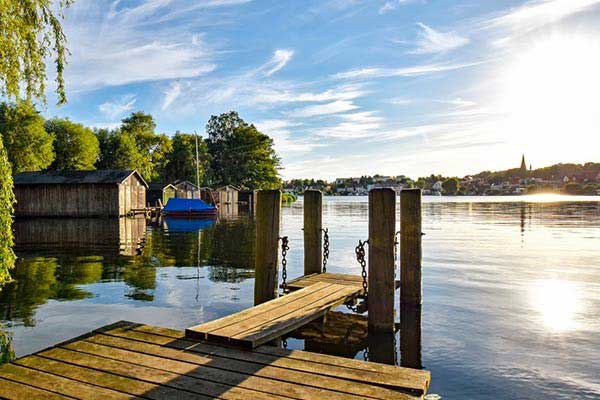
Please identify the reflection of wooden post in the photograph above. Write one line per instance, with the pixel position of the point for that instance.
(382, 224)
(268, 211)
(410, 246)
(410, 336)
(381, 348)
(313, 205)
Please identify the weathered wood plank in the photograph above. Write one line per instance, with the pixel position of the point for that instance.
(178, 380)
(200, 331)
(102, 379)
(372, 373)
(58, 384)
(313, 240)
(17, 391)
(264, 368)
(268, 219)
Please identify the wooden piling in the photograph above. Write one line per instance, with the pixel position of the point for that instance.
(382, 225)
(410, 246)
(268, 215)
(313, 242)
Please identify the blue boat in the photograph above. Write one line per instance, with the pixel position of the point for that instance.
(188, 208)
(187, 225)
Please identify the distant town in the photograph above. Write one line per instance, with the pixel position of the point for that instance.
(573, 179)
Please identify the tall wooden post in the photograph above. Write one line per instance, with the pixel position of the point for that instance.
(313, 242)
(410, 246)
(382, 224)
(268, 214)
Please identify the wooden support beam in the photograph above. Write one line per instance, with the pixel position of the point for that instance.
(313, 242)
(268, 217)
(410, 246)
(382, 226)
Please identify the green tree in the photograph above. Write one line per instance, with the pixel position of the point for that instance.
(28, 145)
(31, 33)
(76, 147)
(182, 159)
(240, 154)
(7, 200)
(451, 186)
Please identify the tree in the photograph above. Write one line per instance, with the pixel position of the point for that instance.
(182, 159)
(240, 154)
(76, 147)
(7, 199)
(31, 33)
(28, 145)
(451, 186)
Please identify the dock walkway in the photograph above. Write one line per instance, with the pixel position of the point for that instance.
(133, 361)
(258, 325)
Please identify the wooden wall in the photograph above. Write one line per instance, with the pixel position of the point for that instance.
(89, 200)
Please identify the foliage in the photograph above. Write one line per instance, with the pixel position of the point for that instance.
(31, 33)
(240, 154)
(7, 354)
(181, 161)
(7, 200)
(75, 146)
(28, 145)
(288, 197)
(451, 186)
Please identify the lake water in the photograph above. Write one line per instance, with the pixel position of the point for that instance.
(511, 286)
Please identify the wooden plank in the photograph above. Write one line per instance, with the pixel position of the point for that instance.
(17, 391)
(341, 279)
(201, 331)
(316, 292)
(287, 323)
(183, 379)
(103, 379)
(416, 381)
(216, 359)
(410, 246)
(226, 373)
(64, 386)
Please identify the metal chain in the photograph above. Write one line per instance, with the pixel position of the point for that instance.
(284, 249)
(325, 248)
(360, 257)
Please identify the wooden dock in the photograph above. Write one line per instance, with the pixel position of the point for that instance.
(134, 361)
(258, 325)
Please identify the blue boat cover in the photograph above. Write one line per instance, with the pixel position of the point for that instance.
(187, 205)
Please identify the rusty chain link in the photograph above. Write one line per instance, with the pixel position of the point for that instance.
(325, 248)
(284, 249)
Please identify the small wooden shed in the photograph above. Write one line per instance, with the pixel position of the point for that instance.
(227, 194)
(186, 190)
(100, 193)
(160, 191)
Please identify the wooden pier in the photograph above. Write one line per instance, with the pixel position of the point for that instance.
(134, 361)
(229, 358)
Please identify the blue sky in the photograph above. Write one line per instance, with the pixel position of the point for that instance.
(351, 87)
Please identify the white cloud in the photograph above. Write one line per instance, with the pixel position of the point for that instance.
(354, 126)
(334, 107)
(376, 72)
(431, 41)
(279, 60)
(172, 93)
(391, 5)
(114, 109)
(281, 133)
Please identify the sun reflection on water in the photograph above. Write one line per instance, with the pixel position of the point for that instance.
(557, 302)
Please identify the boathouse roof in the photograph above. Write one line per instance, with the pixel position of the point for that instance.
(106, 176)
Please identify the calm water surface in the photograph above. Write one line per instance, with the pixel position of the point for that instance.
(511, 286)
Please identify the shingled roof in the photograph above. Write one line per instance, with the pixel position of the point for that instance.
(106, 176)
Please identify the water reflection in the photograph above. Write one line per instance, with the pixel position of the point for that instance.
(557, 302)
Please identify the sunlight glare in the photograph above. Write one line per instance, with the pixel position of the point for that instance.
(558, 303)
(551, 95)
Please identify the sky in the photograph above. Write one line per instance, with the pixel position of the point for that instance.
(350, 87)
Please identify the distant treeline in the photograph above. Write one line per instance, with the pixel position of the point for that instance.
(233, 153)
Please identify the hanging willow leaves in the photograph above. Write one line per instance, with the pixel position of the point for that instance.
(31, 33)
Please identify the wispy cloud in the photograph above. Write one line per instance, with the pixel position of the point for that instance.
(172, 93)
(377, 72)
(354, 126)
(114, 109)
(281, 132)
(431, 41)
(334, 107)
(279, 60)
(391, 5)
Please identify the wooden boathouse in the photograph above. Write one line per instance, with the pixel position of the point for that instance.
(100, 193)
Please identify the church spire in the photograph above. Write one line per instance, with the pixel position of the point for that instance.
(523, 167)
